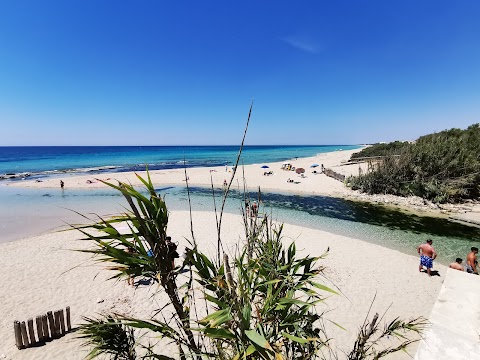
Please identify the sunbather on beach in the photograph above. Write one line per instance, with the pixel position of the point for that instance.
(427, 255)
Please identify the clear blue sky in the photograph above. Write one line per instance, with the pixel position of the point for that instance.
(116, 72)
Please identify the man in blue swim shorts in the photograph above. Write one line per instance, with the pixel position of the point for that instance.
(427, 255)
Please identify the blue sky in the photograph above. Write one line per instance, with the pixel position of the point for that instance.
(184, 72)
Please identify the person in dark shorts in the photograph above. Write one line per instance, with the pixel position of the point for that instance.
(471, 265)
(172, 250)
(427, 255)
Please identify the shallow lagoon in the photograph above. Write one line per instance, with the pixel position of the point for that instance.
(27, 212)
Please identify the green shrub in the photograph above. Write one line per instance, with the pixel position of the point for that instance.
(442, 167)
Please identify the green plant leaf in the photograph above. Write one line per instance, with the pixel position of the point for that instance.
(295, 338)
(217, 318)
(323, 287)
(219, 333)
(258, 339)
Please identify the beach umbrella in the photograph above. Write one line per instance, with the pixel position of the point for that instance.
(300, 170)
(314, 165)
(264, 167)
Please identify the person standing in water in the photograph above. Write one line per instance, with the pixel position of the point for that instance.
(427, 255)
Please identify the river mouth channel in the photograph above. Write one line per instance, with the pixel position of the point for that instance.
(27, 212)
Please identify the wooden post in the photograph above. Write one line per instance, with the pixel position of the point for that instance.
(31, 331)
(46, 335)
(23, 329)
(69, 323)
(56, 316)
(62, 323)
(39, 324)
(18, 335)
(51, 323)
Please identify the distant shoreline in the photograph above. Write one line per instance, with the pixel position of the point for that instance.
(311, 184)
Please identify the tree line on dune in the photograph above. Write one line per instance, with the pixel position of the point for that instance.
(441, 167)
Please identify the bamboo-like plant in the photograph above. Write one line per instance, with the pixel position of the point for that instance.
(143, 251)
(368, 344)
(265, 305)
(107, 336)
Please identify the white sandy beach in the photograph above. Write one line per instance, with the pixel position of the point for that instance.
(43, 273)
(203, 176)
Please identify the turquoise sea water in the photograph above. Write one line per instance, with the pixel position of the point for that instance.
(42, 160)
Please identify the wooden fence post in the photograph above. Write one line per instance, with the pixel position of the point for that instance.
(18, 335)
(46, 334)
(39, 324)
(31, 331)
(51, 323)
(69, 323)
(56, 316)
(62, 323)
(23, 329)
(58, 322)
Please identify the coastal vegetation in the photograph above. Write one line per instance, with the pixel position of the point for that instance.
(441, 167)
(381, 149)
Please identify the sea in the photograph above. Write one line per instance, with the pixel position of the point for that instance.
(27, 211)
(18, 161)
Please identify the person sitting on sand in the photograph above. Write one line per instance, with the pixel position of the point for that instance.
(471, 265)
(427, 255)
(457, 265)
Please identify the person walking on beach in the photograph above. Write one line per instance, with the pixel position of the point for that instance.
(62, 184)
(457, 265)
(247, 208)
(471, 265)
(254, 209)
(427, 255)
